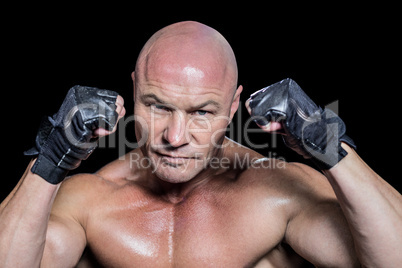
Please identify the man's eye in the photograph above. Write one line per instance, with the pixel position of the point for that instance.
(160, 107)
(201, 112)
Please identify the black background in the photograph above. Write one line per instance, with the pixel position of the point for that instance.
(348, 54)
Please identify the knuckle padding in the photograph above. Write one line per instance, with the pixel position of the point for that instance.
(66, 138)
(310, 130)
(99, 108)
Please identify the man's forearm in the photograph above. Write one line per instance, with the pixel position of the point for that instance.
(373, 210)
(24, 216)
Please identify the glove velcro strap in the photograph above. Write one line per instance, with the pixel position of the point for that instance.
(318, 137)
(46, 169)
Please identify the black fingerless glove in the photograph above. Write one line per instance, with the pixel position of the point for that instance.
(311, 131)
(66, 138)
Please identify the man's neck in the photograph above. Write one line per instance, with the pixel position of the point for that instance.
(177, 192)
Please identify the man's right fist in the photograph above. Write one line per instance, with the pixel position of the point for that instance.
(309, 130)
(71, 135)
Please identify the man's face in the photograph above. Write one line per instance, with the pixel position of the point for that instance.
(182, 119)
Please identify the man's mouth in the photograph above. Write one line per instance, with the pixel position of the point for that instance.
(174, 158)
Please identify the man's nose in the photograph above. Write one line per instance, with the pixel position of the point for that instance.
(175, 132)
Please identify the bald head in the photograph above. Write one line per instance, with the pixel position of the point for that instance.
(185, 93)
(188, 54)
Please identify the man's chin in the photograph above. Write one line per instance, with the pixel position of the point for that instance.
(175, 174)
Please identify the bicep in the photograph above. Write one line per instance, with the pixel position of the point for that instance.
(66, 237)
(321, 235)
(65, 243)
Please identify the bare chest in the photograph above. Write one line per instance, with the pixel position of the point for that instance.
(201, 231)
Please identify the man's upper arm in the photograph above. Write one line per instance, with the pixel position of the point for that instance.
(319, 231)
(65, 243)
(65, 238)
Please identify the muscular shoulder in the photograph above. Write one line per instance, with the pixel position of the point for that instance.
(297, 183)
(276, 177)
(80, 193)
(114, 174)
(77, 194)
(294, 177)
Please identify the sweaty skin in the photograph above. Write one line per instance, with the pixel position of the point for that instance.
(179, 213)
(236, 217)
(189, 196)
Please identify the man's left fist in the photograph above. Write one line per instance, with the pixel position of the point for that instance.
(309, 130)
(71, 135)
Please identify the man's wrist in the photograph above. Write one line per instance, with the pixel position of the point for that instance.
(47, 170)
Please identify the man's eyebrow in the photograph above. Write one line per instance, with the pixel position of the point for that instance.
(153, 96)
(209, 102)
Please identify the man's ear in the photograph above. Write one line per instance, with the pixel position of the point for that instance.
(235, 102)
(133, 78)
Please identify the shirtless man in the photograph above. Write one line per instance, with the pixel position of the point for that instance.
(171, 207)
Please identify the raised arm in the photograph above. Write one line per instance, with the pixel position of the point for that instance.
(371, 207)
(24, 216)
(317, 229)
(24, 228)
(27, 237)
